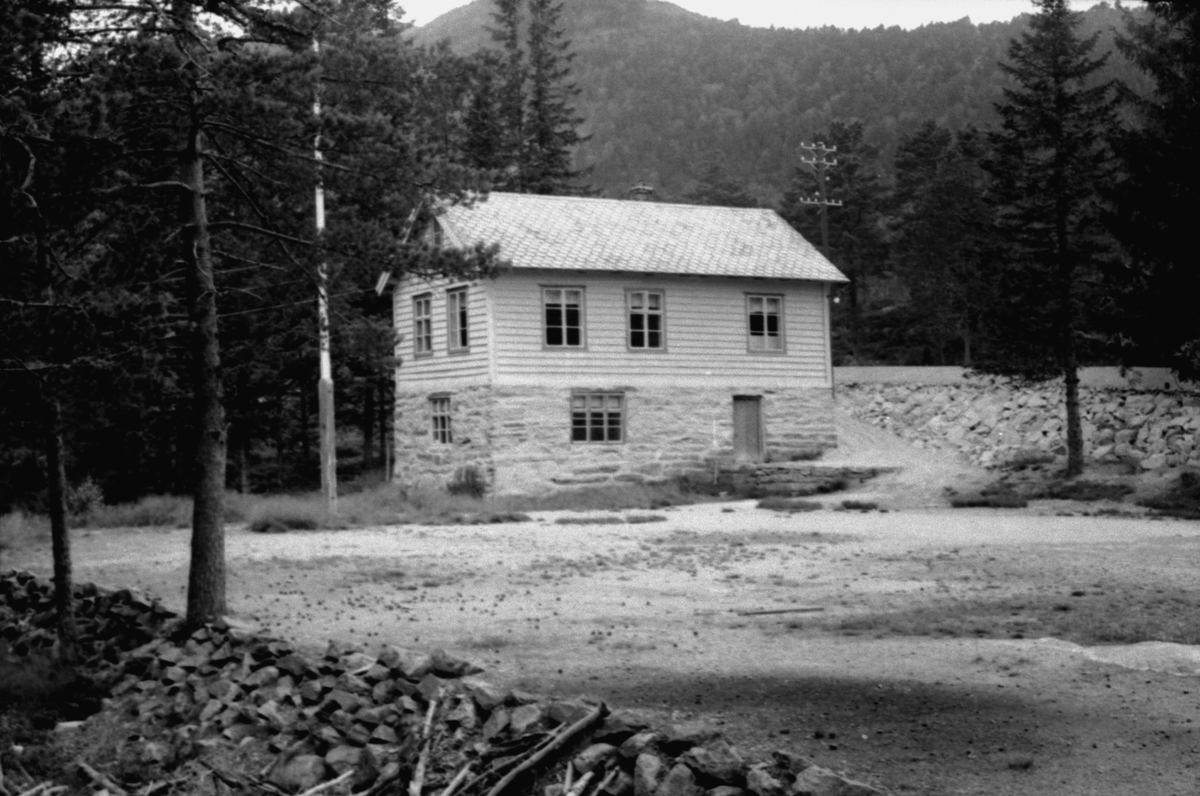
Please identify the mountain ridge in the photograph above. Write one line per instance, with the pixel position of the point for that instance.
(665, 90)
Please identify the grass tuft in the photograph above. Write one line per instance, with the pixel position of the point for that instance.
(287, 513)
(1088, 491)
(988, 499)
(791, 505)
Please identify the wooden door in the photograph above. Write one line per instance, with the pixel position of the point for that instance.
(747, 428)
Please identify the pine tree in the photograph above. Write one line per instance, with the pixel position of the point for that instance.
(942, 243)
(1050, 163)
(551, 124)
(1157, 200)
(717, 188)
(510, 99)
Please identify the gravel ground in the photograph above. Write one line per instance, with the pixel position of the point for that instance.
(923, 649)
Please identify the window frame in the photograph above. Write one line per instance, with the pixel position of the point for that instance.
(548, 346)
(458, 338)
(441, 408)
(781, 326)
(604, 425)
(422, 318)
(661, 313)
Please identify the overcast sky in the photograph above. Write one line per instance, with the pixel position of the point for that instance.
(812, 13)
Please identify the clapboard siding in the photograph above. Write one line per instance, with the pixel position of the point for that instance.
(442, 366)
(705, 332)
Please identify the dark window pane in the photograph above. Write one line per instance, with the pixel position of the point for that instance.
(572, 316)
(654, 322)
(554, 335)
(756, 323)
(655, 340)
(637, 339)
(573, 336)
(554, 315)
(773, 324)
(637, 322)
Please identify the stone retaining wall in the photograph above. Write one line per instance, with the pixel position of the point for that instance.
(993, 421)
(792, 478)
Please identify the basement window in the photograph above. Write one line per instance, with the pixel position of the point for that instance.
(597, 417)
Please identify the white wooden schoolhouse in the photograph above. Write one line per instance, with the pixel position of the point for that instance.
(629, 341)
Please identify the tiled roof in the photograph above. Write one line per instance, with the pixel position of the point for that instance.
(573, 233)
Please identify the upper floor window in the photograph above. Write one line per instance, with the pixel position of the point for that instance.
(562, 313)
(456, 319)
(439, 413)
(764, 322)
(423, 324)
(645, 318)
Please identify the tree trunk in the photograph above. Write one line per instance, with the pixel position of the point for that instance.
(368, 425)
(60, 540)
(206, 577)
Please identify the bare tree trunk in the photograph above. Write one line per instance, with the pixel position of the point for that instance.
(64, 602)
(206, 576)
(368, 425)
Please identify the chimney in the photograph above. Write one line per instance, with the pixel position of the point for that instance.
(642, 192)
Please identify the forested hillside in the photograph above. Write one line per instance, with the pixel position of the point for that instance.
(664, 90)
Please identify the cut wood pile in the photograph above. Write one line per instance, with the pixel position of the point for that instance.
(399, 721)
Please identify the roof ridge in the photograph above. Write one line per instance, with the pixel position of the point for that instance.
(610, 199)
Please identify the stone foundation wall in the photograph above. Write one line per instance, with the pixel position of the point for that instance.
(669, 432)
(421, 460)
(993, 421)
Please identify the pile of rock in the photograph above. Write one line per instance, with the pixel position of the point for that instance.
(398, 719)
(996, 422)
(110, 622)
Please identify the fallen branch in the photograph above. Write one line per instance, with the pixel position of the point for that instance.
(604, 782)
(101, 780)
(807, 609)
(568, 776)
(580, 784)
(313, 791)
(459, 778)
(559, 741)
(418, 778)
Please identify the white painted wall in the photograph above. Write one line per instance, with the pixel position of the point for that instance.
(706, 339)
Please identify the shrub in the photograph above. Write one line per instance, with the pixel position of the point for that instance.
(1181, 500)
(467, 481)
(859, 505)
(84, 500)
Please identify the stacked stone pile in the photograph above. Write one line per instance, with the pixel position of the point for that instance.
(397, 721)
(994, 422)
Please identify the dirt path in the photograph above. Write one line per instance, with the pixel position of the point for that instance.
(670, 616)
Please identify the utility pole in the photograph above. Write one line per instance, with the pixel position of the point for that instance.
(327, 429)
(817, 156)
